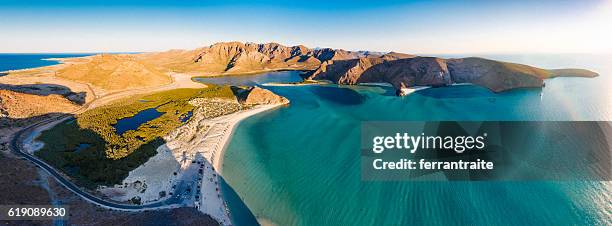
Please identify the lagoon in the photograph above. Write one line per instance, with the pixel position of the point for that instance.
(310, 174)
(131, 123)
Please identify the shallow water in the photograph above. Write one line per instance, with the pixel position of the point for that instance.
(300, 164)
(310, 174)
(131, 123)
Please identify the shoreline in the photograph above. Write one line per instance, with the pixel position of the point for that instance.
(302, 83)
(228, 124)
(196, 152)
(234, 121)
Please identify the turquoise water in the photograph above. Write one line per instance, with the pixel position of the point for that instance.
(310, 174)
(131, 123)
(299, 165)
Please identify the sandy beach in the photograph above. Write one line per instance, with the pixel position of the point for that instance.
(410, 90)
(187, 167)
(376, 84)
(191, 160)
(233, 121)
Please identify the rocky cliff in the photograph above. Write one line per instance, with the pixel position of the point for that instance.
(353, 67)
(237, 58)
(402, 71)
(337, 65)
(256, 95)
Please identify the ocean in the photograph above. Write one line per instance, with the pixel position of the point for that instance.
(16, 61)
(300, 164)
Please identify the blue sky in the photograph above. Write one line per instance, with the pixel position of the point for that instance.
(405, 26)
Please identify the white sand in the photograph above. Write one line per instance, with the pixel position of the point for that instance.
(409, 90)
(30, 144)
(376, 84)
(232, 121)
(208, 138)
(148, 180)
(199, 144)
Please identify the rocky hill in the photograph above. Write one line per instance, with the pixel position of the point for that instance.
(353, 67)
(12, 104)
(256, 95)
(125, 71)
(239, 58)
(403, 71)
(114, 72)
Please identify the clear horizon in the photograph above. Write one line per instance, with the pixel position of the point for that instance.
(421, 27)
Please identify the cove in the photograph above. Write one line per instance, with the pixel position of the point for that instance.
(300, 164)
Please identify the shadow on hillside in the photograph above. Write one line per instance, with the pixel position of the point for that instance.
(21, 175)
(48, 89)
(240, 93)
(82, 154)
(7, 122)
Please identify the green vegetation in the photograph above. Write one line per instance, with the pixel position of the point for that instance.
(106, 158)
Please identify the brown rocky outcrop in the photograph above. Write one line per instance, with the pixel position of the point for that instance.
(237, 57)
(496, 75)
(123, 71)
(12, 104)
(403, 70)
(258, 95)
(114, 72)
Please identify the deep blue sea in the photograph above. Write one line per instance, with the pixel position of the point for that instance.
(300, 164)
(15, 61)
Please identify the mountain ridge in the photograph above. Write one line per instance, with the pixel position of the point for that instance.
(237, 57)
(352, 67)
(408, 71)
(340, 66)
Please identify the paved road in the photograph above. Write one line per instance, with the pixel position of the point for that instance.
(16, 147)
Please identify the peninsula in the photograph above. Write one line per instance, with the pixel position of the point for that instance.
(107, 73)
(68, 117)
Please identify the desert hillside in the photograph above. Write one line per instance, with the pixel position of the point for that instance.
(237, 58)
(107, 73)
(12, 104)
(114, 72)
(404, 71)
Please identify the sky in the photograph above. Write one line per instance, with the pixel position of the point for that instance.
(422, 27)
